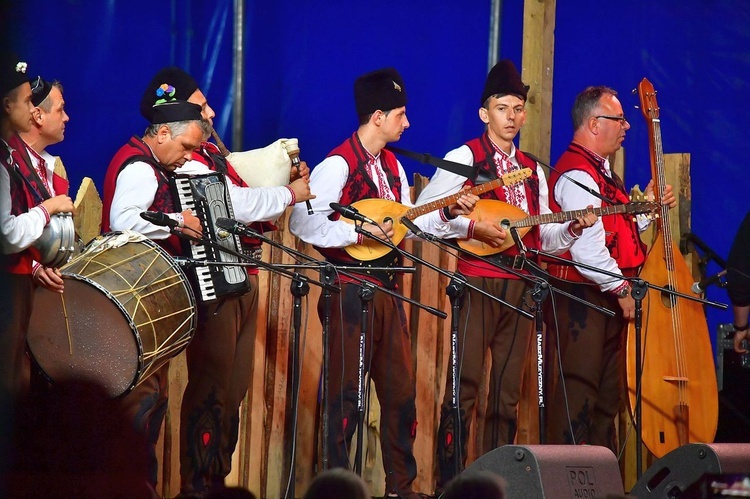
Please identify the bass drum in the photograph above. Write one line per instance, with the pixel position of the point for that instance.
(127, 310)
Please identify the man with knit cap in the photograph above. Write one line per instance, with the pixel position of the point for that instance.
(490, 325)
(48, 128)
(361, 168)
(221, 354)
(137, 180)
(25, 209)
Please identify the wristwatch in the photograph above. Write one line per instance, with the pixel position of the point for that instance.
(624, 292)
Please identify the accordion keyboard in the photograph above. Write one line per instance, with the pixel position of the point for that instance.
(208, 197)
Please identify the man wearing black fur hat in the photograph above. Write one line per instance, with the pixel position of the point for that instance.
(361, 168)
(490, 325)
(137, 180)
(221, 354)
(25, 209)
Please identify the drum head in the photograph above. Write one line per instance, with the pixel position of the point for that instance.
(95, 342)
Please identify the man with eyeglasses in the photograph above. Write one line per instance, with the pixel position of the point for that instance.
(48, 119)
(587, 399)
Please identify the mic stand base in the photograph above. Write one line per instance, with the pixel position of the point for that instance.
(299, 288)
(539, 294)
(455, 291)
(327, 276)
(366, 294)
(638, 291)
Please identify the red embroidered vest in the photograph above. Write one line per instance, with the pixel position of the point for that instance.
(484, 153)
(360, 186)
(136, 150)
(621, 232)
(26, 192)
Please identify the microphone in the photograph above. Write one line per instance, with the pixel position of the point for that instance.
(160, 219)
(700, 287)
(412, 227)
(351, 213)
(234, 227)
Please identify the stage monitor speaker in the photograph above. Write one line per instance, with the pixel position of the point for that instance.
(671, 475)
(553, 471)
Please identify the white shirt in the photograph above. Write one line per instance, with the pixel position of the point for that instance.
(135, 190)
(327, 182)
(590, 248)
(555, 237)
(17, 232)
(250, 204)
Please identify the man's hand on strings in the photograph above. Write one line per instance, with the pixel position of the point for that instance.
(586, 220)
(465, 203)
(489, 233)
(667, 199)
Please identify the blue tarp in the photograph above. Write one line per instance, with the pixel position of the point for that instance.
(302, 57)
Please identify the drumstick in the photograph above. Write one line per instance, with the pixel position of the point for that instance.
(292, 149)
(222, 148)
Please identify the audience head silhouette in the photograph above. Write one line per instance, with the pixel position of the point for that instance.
(337, 483)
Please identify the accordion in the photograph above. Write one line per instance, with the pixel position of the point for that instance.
(207, 195)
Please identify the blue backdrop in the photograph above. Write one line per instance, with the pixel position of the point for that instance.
(302, 57)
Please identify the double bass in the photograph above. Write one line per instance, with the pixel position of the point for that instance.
(678, 371)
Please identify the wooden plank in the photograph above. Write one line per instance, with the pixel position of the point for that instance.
(88, 215)
(537, 70)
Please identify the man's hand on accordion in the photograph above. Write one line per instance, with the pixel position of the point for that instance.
(191, 225)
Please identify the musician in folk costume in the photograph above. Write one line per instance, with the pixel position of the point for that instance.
(220, 356)
(48, 128)
(25, 209)
(489, 324)
(591, 345)
(138, 180)
(358, 169)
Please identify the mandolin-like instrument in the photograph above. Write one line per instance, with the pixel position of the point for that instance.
(508, 216)
(678, 387)
(383, 210)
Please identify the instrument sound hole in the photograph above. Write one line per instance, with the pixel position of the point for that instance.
(387, 219)
(669, 300)
(505, 224)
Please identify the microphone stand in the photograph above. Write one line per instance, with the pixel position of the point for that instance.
(639, 288)
(299, 288)
(539, 293)
(455, 290)
(366, 293)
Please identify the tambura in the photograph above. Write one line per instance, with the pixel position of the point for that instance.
(58, 241)
(126, 310)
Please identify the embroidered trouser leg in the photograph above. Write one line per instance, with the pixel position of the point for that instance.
(389, 362)
(485, 324)
(220, 363)
(591, 351)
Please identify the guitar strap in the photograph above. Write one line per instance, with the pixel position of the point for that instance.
(428, 159)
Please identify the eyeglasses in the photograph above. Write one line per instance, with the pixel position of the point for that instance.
(621, 119)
